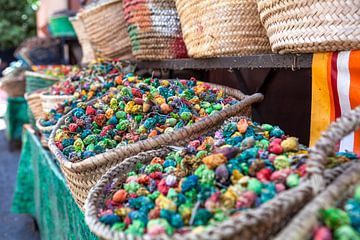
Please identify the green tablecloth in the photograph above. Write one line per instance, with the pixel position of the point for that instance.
(41, 191)
(15, 117)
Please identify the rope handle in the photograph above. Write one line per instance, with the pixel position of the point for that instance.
(325, 146)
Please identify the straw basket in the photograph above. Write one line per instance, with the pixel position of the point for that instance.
(222, 28)
(302, 225)
(154, 29)
(35, 81)
(82, 176)
(34, 102)
(259, 223)
(295, 26)
(14, 86)
(49, 102)
(106, 30)
(45, 133)
(87, 50)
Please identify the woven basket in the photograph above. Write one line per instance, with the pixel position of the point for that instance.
(217, 28)
(82, 176)
(154, 29)
(35, 109)
(257, 223)
(45, 133)
(88, 54)
(14, 86)
(302, 225)
(106, 30)
(35, 81)
(49, 102)
(295, 26)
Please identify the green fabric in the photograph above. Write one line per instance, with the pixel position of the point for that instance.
(16, 116)
(41, 191)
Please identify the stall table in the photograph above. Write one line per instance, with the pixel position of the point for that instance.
(42, 192)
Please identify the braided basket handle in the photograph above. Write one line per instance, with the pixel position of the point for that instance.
(325, 146)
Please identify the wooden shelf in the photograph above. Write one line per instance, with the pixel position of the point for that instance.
(290, 61)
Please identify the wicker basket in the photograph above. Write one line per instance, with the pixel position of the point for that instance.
(49, 102)
(45, 133)
(302, 225)
(222, 28)
(106, 30)
(295, 26)
(257, 223)
(35, 109)
(154, 29)
(88, 54)
(82, 176)
(14, 86)
(35, 81)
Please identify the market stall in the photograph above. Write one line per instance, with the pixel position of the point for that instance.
(191, 119)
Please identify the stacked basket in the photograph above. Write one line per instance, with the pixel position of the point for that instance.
(222, 28)
(105, 27)
(154, 29)
(311, 26)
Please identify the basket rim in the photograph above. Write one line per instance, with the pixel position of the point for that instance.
(96, 7)
(41, 75)
(92, 162)
(42, 128)
(46, 96)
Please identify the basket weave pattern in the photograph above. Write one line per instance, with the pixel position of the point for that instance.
(49, 102)
(222, 28)
(82, 176)
(257, 223)
(106, 29)
(302, 225)
(295, 26)
(87, 50)
(154, 29)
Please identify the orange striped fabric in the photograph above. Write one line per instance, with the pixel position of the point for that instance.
(335, 90)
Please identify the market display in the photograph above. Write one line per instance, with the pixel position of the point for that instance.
(57, 71)
(140, 110)
(341, 223)
(129, 145)
(87, 84)
(212, 179)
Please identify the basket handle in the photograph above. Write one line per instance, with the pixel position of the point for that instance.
(325, 146)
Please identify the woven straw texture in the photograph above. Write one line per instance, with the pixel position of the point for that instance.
(106, 29)
(35, 81)
(88, 54)
(216, 28)
(302, 225)
(82, 176)
(49, 102)
(45, 133)
(295, 26)
(13, 85)
(154, 29)
(257, 223)
(34, 102)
